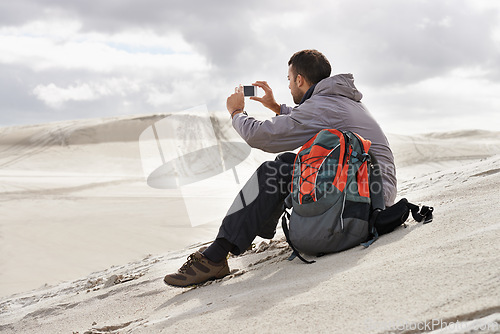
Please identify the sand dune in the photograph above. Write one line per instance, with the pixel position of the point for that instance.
(75, 200)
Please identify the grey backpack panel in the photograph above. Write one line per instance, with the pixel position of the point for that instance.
(328, 232)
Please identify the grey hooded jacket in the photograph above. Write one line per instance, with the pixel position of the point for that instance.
(334, 104)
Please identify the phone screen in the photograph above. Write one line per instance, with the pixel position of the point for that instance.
(249, 90)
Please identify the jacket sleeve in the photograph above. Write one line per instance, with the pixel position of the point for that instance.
(285, 110)
(281, 133)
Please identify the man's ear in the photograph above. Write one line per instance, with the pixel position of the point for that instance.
(302, 83)
(299, 80)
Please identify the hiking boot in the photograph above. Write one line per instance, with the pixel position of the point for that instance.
(198, 269)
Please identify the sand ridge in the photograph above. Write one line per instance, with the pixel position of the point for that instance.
(442, 272)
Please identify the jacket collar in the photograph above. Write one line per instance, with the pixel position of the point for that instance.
(308, 94)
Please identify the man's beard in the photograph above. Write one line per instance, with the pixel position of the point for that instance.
(297, 98)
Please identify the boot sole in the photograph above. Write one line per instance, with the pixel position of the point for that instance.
(194, 284)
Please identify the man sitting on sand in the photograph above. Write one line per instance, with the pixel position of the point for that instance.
(324, 102)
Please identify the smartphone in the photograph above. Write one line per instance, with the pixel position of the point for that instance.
(250, 90)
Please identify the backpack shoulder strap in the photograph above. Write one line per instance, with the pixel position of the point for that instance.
(376, 185)
(376, 198)
(284, 225)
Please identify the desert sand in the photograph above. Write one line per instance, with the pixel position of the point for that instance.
(86, 241)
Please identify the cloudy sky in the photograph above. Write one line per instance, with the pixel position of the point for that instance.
(422, 65)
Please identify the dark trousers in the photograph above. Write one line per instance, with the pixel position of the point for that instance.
(259, 205)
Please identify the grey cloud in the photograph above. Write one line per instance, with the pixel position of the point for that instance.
(398, 42)
(218, 29)
(17, 104)
(19, 12)
(380, 35)
(384, 43)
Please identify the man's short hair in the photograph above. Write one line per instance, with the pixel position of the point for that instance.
(311, 64)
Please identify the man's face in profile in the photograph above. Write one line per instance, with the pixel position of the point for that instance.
(294, 89)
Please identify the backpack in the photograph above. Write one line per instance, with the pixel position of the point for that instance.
(337, 197)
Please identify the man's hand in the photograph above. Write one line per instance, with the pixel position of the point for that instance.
(267, 100)
(236, 102)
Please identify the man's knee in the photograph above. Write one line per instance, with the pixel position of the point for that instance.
(287, 157)
(275, 168)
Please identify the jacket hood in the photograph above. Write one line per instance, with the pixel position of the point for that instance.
(340, 84)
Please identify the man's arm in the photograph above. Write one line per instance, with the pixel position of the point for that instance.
(267, 100)
(235, 103)
(285, 110)
(281, 133)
